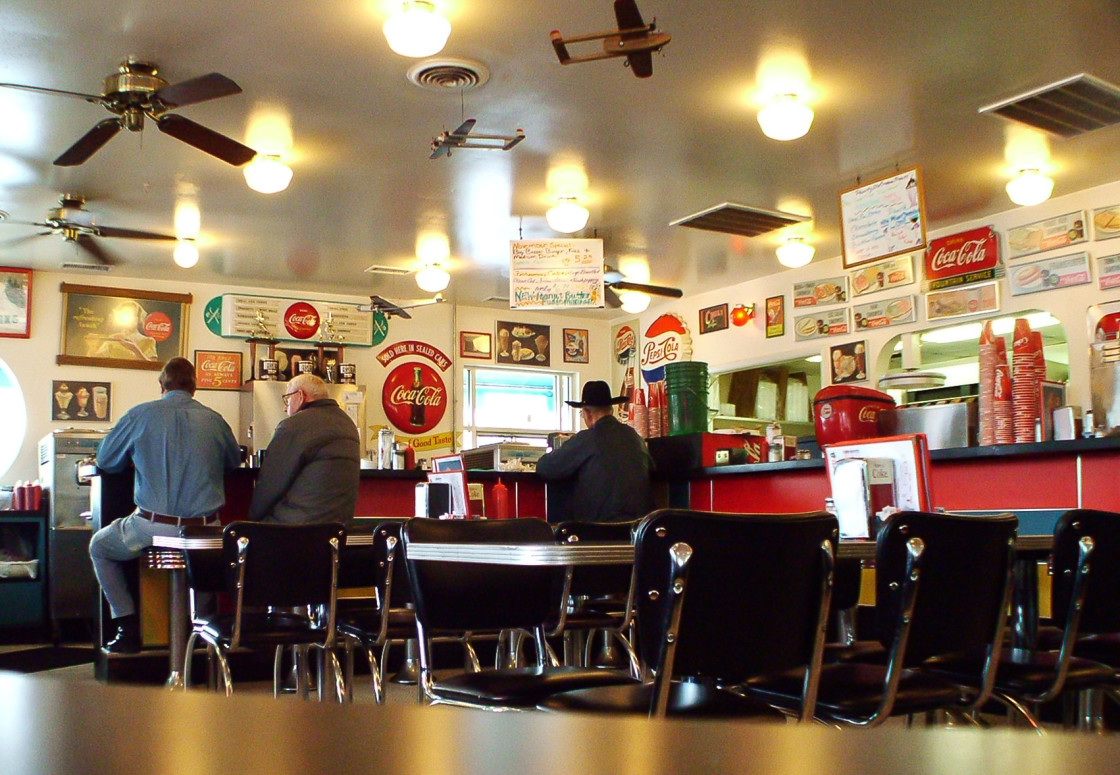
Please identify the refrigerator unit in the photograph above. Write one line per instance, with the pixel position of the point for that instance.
(71, 587)
(262, 409)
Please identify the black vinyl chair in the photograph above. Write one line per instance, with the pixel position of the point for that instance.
(942, 587)
(206, 580)
(722, 598)
(284, 583)
(596, 598)
(1081, 601)
(457, 598)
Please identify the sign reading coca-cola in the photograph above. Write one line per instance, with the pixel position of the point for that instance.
(967, 257)
(157, 325)
(217, 370)
(414, 397)
(301, 320)
(666, 341)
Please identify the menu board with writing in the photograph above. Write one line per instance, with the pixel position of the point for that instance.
(883, 218)
(242, 316)
(556, 274)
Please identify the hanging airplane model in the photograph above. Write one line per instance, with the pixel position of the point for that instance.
(390, 309)
(442, 143)
(634, 39)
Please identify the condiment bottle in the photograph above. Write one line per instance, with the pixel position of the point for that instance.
(501, 501)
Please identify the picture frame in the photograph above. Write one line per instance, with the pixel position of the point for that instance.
(81, 401)
(15, 303)
(122, 328)
(576, 345)
(523, 344)
(476, 344)
(775, 316)
(217, 369)
(1052, 395)
(848, 362)
(895, 200)
(713, 319)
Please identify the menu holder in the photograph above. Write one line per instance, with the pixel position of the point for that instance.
(450, 470)
(909, 457)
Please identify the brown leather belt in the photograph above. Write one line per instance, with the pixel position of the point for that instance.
(166, 520)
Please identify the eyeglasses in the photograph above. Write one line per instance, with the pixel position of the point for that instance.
(288, 397)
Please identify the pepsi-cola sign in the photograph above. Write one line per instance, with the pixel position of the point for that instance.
(666, 341)
(414, 397)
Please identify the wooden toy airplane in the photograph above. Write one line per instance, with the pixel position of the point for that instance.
(442, 143)
(634, 39)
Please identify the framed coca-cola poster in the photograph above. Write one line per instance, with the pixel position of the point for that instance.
(217, 369)
(122, 328)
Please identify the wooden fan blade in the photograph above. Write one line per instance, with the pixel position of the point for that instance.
(206, 140)
(90, 143)
(205, 87)
(652, 290)
(89, 245)
(111, 231)
(95, 98)
(12, 243)
(612, 298)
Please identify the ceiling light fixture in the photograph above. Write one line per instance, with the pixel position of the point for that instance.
(633, 301)
(795, 252)
(186, 253)
(567, 215)
(418, 30)
(267, 174)
(433, 278)
(1029, 187)
(785, 117)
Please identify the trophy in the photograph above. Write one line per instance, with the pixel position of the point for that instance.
(260, 328)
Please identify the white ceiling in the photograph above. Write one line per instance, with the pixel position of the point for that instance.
(894, 84)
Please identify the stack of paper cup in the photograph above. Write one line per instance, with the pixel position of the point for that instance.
(639, 413)
(989, 356)
(1024, 383)
(1001, 396)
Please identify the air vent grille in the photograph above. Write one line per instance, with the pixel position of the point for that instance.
(731, 218)
(396, 271)
(497, 299)
(1066, 108)
(444, 73)
(77, 265)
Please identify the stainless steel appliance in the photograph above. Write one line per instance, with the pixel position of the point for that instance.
(946, 424)
(1104, 383)
(262, 409)
(71, 587)
(499, 457)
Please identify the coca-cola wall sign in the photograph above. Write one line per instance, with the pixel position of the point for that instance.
(967, 257)
(240, 316)
(217, 370)
(414, 395)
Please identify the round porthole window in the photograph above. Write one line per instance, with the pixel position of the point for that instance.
(14, 409)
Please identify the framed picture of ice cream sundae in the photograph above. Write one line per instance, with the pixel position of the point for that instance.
(15, 303)
(524, 344)
(122, 328)
(80, 401)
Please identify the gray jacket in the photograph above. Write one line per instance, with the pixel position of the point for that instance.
(311, 470)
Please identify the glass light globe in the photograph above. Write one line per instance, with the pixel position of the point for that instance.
(795, 253)
(1029, 187)
(432, 278)
(567, 215)
(186, 254)
(418, 30)
(267, 174)
(785, 118)
(634, 301)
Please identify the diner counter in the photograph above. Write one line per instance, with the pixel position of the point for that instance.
(49, 726)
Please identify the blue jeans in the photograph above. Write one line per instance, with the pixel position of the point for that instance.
(122, 540)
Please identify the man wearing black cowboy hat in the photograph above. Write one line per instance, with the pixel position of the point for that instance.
(608, 463)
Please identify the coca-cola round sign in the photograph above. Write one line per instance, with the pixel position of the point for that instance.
(158, 326)
(301, 320)
(414, 397)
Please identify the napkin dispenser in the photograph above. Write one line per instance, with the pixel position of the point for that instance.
(433, 499)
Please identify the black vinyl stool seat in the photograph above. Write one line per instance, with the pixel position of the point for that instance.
(283, 580)
(942, 587)
(453, 598)
(722, 598)
(1081, 601)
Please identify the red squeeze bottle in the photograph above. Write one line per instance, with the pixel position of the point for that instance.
(501, 501)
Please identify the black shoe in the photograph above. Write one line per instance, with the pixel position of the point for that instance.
(127, 639)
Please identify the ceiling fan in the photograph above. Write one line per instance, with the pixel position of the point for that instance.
(76, 225)
(616, 281)
(135, 91)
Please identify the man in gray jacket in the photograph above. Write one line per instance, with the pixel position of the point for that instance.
(311, 470)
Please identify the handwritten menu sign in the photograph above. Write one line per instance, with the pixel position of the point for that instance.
(814, 293)
(883, 218)
(833, 322)
(556, 274)
(1050, 274)
(1059, 232)
(879, 277)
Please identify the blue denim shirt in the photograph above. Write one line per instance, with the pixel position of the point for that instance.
(180, 450)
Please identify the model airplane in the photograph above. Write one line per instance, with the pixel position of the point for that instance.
(390, 309)
(634, 39)
(442, 143)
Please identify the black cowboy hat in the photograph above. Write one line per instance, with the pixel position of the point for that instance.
(597, 393)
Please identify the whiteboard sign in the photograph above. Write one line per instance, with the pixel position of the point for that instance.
(556, 274)
(885, 217)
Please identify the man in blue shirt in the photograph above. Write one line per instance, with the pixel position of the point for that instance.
(180, 450)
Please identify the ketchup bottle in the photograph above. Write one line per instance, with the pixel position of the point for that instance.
(501, 501)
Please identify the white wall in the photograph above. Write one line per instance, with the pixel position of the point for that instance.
(737, 348)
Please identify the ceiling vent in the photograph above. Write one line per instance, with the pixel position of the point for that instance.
(1066, 108)
(396, 271)
(497, 299)
(83, 267)
(443, 73)
(731, 218)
